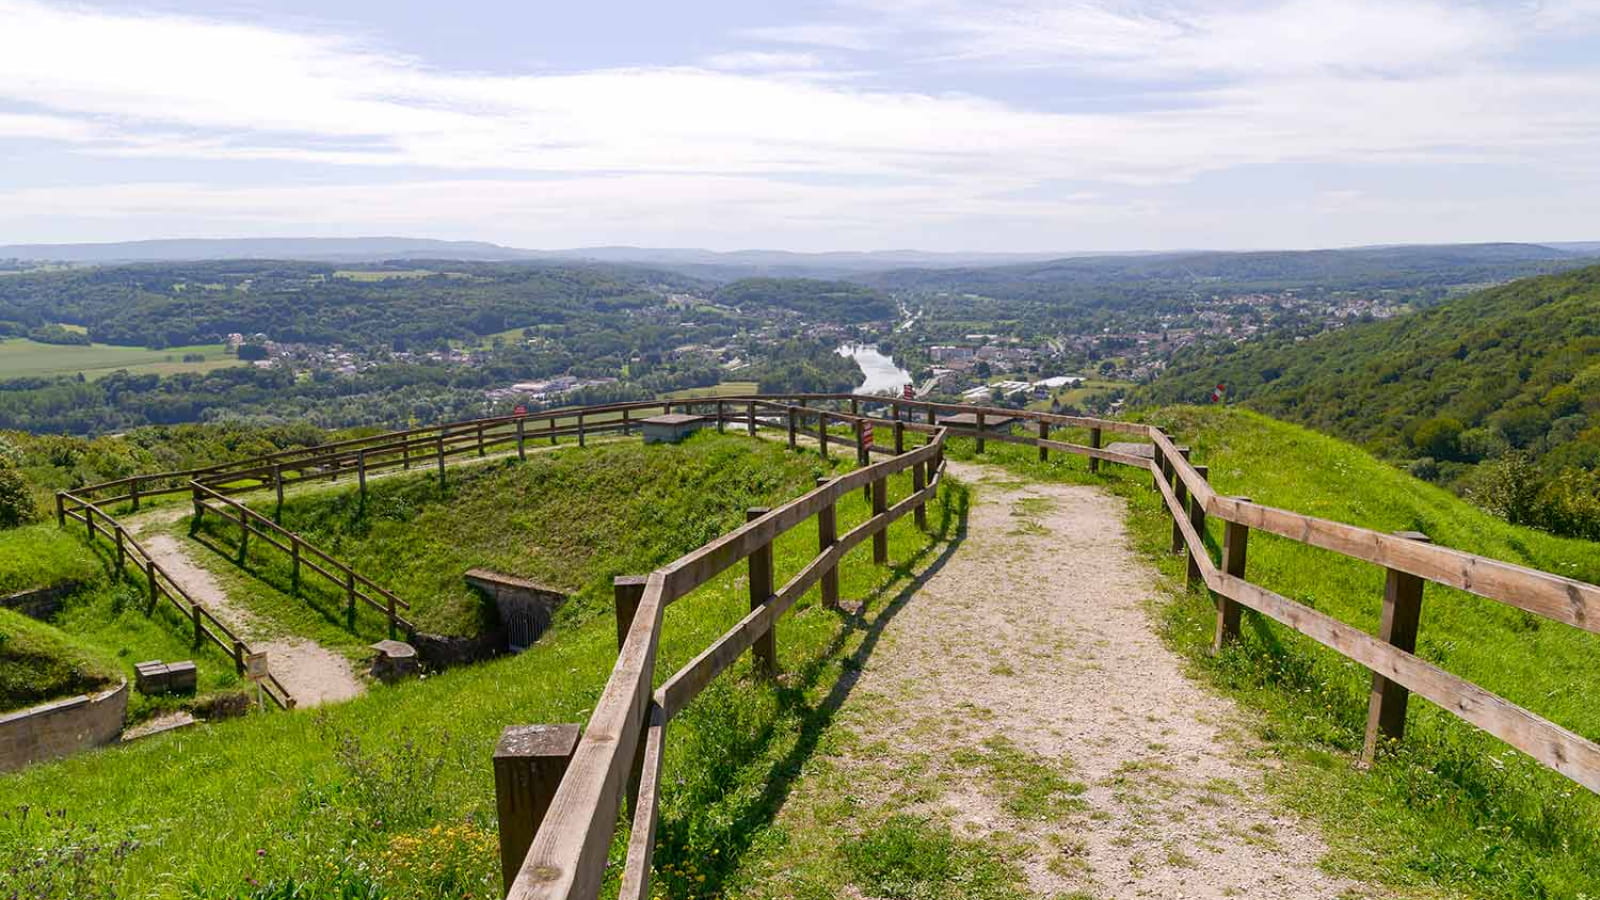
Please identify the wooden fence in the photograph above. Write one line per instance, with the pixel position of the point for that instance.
(163, 586)
(357, 588)
(619, 753)
(619, 756)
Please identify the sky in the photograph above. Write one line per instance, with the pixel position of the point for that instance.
(955, 125)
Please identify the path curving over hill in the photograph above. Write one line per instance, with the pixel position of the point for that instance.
(311, 673)
(1022, 698)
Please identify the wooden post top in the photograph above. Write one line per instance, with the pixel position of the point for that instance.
(630, 580)
(524, 741)
(1414, 536)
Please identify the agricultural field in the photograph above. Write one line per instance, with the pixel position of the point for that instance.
(22, 358)
(724, 389)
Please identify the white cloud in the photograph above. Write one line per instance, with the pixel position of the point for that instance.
(761, 136)
(762, 61)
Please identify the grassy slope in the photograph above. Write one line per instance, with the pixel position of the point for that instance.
(39, 663)
(269, 797)
(107, 617)
(1452, 809)
(555, 519)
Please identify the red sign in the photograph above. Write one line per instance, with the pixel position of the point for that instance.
(908, 393)
(520, 410)
(866, 434)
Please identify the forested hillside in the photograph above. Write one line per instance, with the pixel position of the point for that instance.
(1496, 394)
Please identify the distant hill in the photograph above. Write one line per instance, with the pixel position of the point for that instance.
(1503, 382)
(316, 249)
(1351, 268)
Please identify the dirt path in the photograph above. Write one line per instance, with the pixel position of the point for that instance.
(1022, 697)
(312, 674)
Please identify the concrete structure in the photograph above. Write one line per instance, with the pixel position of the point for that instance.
(394, 660)
(996, 424)
(62, 727)
(671, 428)
(525, 607)
(156, 677)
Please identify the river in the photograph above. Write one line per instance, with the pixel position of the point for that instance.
(879, 373)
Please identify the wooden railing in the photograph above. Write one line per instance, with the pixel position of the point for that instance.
(625, 735)
(567, 856)
(357, 588)
(163, 586)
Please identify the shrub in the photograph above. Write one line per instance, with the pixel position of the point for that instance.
(1426, 468)
(1508, 487)
(17, 506)
(1439, 437)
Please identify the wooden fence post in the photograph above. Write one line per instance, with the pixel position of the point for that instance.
(919, 481)
(481, 450)
(529, 762)
(1197, 520)
(61, 510)
(244, 537)
(792, 417)
(626, 592)
(522, 452)
(1235, 544)
(855, 406)
(394, 626)
(277, 483)
(238, 656)
(627, 424)
(899, 435)
(441, 459)
(980, 432)
(150, 573)
(822, 433)
(1044, 435)
(350, 589)
(721, 423)
(294, 565)
(582, 437)
(932, 417)
(1180, 490)
(133, 492)
(1158, 458)
(750, 417)
(361, 475)
(765, 647)
(195, 615)
(880, 505)
(552, 421)
(827, 536)
(122, 552)
(1402, 611)
(405, 450)
(1094, 441)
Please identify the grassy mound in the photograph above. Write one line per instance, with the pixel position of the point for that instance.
(571, 518)
(35, 556)
(1451, 808)
(392, 794)
(40, 663)
(107, 620)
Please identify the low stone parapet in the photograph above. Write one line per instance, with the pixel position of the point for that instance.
(62, 727)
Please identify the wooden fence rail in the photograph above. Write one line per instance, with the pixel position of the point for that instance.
(302, 554)
(621, 746)
(163, 586)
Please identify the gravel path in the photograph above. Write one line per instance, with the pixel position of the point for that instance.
(311, 673)
(1034, 640)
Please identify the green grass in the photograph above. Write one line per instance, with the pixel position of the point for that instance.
(722, 389)
(40, 663)
(37, 556)
(570, 518)
(107, 617)
(21, 358)
(350, 797)
(1450, 809)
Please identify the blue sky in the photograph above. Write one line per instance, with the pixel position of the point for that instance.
(844, 124)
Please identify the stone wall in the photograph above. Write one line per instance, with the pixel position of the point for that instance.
(525, 607)
(40, 603)
(62, 727)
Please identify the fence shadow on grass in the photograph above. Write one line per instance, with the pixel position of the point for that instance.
(674, 835)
